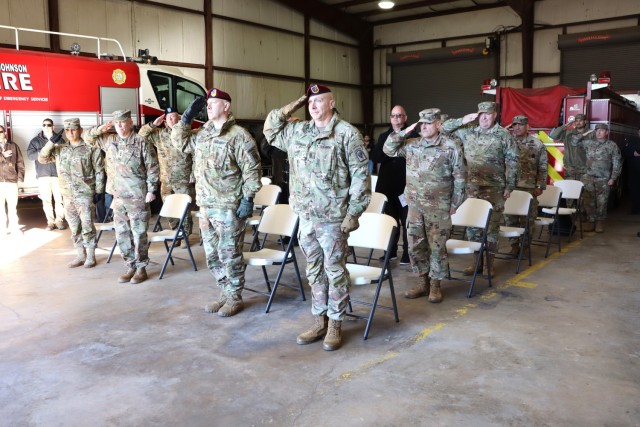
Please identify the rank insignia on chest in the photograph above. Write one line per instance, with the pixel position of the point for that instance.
(361, 155)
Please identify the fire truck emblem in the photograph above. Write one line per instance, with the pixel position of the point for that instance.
(119, 76)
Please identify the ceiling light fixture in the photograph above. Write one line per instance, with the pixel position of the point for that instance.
(386, 4)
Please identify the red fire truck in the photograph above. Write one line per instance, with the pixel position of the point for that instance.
(549, 107)
(36, 85)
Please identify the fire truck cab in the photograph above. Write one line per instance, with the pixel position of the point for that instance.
(37, 85)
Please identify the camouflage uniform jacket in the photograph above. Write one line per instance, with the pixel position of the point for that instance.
(132, 165)
(436, 172)
(575, 157)
(80, 168)
(603, 159)
(226, 162)
(533, 163)
(175, 166)
(491, 154)
(328, 168)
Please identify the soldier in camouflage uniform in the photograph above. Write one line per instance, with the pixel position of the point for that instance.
(329, 190)
(492, 166)
(132, 171)
(575, 157)
(81, 176)
(533, 174)
(227, 171)
(436, 175)
(574, 160)
(604, 164)
(176, 176)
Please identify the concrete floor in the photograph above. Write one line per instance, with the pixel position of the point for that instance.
(557, 345)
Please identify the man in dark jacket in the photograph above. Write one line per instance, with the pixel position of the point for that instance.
(391, 181)
(48, 176)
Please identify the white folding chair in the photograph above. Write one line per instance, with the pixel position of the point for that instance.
(277, 220)
(375, 232)
(377, 204)
(572, 194)
(518, 204)
(268, 195)
(471, 213)
(548, 203)
(101, 227)
(175, 206)
(374, 182)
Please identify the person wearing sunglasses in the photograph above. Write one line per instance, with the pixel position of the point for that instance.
(11, 173)
(47, 174)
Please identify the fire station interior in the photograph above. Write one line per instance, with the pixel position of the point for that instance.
(556, 344)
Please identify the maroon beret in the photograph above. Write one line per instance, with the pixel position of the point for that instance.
(217, 93)
(316, 89)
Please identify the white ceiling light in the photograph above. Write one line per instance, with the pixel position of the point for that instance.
(386, 4)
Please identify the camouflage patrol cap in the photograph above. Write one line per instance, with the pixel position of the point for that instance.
(430, 115)
(602, 126)
(581, 117)
(72, 123)
(487, 107)
(520, 120)
(121, 115)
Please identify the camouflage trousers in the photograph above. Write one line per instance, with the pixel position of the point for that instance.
(223, 237)
(595, 198)
(520, 221)
(166, 189)
(131, 219)
(428, 234)
(325, 247)
(80, 215)
(493, 195)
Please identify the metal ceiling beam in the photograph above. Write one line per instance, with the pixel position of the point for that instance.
(330, 16)
(406, 6)
(350, 3)
(437, 14)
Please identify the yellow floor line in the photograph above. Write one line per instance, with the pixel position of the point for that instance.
(425, 333)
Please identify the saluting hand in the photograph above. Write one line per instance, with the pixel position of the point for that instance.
(469, 118)
(105, 127)
(7, 154)
(150, 198)
(410, 129)
(157, 122)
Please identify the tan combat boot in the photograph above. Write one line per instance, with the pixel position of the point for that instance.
(420, 290)
(127, 275)
(91, 258)
(215, 306)
(469, 270)
(435, 293)
(315, 332)
(333, 339)
(599, 227)
(588, 226)
(232, 306)
(140, 276)
(79, 259)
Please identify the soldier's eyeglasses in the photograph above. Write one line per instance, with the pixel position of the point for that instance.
(397, 116)
(47, 125)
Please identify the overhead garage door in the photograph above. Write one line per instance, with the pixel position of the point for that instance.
(616, 51)
(447, 78)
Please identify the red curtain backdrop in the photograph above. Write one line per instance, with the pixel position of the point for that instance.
(542, 106)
